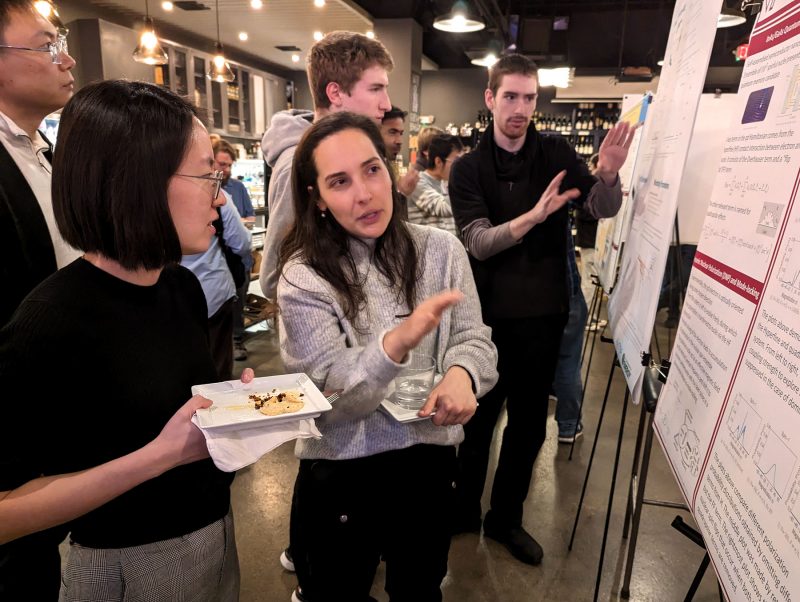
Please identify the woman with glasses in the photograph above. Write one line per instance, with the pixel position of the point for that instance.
(101, 355)
(360, 290)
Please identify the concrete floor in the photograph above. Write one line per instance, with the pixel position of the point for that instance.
(481, 569)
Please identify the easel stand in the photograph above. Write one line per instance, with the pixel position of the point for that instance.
(594, 314)
(613, 476)
(654, 378)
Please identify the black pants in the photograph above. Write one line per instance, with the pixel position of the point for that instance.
(349, 513)
(220, 337)
(30, 567)
(527, 352)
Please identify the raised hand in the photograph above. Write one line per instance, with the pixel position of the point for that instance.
(407, 183)
(426, 317)
(614, 151)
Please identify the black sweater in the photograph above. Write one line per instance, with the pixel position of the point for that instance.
(92, 368)
(528, 279)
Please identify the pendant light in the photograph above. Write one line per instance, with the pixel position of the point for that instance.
(219, 70)
(730, 17)
(149, 50)
(459, 20)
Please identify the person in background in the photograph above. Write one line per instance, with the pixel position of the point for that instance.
(215, 273)
(35, 80)
(392, 129)
(141, 318)
(586, 226)
(347, 71)
(224, 158)
(509, 205)
(423, 142)
(360, 289)
(429, 204)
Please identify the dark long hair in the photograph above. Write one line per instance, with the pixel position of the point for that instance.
(324, 245)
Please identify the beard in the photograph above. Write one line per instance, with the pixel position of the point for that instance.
(512, 131)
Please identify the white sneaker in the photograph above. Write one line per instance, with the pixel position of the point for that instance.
(287, 562)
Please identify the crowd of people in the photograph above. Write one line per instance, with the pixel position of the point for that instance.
(133, 259)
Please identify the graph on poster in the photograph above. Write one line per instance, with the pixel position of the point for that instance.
(789, 272)
(744, 423)
(775, 461)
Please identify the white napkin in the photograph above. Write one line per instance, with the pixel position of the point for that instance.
(233, 450)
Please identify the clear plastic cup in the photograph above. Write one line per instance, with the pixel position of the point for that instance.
(413, 383)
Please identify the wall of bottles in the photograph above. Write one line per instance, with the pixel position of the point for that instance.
(586, 125)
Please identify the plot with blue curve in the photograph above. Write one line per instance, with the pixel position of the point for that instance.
(775, 461)
(744, 423)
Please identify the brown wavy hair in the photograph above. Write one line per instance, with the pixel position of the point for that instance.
(324, 245)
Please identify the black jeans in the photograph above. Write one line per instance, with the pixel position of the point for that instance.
(527, 352)
(347, 514)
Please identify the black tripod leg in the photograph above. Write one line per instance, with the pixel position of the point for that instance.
(697, 579)
(634, 472)
(637, 514)
(591, 456)
(611, 496)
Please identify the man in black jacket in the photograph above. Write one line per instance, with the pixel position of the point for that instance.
(509, 206)
(35, 80)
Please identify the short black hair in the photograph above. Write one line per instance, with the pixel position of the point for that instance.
(441, 146)
(9, 6)
(119, 144)
(394, 113)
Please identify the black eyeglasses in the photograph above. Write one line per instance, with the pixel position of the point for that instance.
(215, 177)
(56, 49)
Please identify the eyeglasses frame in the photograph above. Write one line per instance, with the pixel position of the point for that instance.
(56, 49)
(217, 177)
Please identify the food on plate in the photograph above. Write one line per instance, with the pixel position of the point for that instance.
(276, 403)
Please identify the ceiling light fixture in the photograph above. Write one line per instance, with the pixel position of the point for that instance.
(295, 58)
(730, 17)
(243, 36)
(256, 4)
(50, 12)
(560, 77)
(485, 61)
(167, 5)
(219, 70)
(149, 50)
(318, 36)
(319, 3)
(459, 20)
(371, 34)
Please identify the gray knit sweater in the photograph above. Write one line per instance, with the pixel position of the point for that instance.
(336, 353)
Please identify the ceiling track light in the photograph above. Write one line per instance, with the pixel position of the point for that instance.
(459, 20)
(50, 12)
(149, 50)
(219, 70)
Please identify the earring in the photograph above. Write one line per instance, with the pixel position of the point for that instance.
(322, 214)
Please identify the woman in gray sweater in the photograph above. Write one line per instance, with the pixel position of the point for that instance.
(359, 290)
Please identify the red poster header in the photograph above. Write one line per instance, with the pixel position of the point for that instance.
(774, 34)
(747, 287)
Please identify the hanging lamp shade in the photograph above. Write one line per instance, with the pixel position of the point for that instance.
(149, 50)
(220, 70)
(459, 20)
(730, 17)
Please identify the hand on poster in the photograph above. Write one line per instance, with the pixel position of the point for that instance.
(614, 151)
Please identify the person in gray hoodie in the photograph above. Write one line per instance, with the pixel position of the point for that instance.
(347, 71)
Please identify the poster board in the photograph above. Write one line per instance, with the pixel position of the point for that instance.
(656, 183)
(728, 418)
(610, 231)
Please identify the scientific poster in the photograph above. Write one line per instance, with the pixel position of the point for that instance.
(609, 238)
(729, 415)
(656, 183)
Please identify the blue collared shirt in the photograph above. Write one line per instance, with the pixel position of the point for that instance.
(241, 198)
(211, 268)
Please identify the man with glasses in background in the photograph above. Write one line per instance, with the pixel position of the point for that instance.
(216, 279)
(35, 80)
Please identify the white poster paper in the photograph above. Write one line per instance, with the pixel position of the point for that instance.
(656, 183)
(729, 415)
